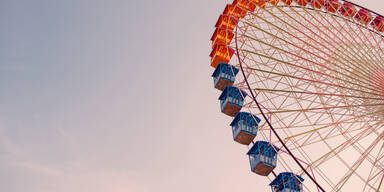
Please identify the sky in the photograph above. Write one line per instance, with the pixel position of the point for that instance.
(117, 96)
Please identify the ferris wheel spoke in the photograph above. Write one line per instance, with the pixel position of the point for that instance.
(300, 78)
(308, 139)
(292, 105)
(326, 75)
(323, 108)
(378, 176)
(316, 35)
(308, 60)
(356, 146)
(378, 42)
(314, 93)
(375, 175)
(327, 126)
(358, 163)
(334, 151)
(308, 142)
(378, 51)
(372, 66)
(305, 95)
(307, 117)
(358, 48)
(372, 175)
(274, 106)
(313, 97)
(300, 109)
(381, 183)
(335, 19)
(288, 105)
(339, 151)
(301, 48)
(373, 53)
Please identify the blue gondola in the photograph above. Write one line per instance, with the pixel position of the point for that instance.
(287, 182)
(231, 100)
(263, 158)
(224, 75)
(244, 127)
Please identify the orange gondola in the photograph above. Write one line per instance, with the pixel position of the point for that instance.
(244, 4)
(288, 2)
(227, 22)
(220, 54)
(221, 36)
(234, 11)
(302, 2)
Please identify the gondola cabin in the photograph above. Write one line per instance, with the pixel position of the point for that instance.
(378, 24)
(244, 4)
(224, 75)
(288, 2)
(221, 54)
(244, 127)
(274, 2)
(332, 6)
(302, 2)
(226, 21)
(231, 100)
(364, 16)
(221, 36)
(318, 4)
(260, 3)
(235, 11)
(262, 158)
(347, 10)
(287, 182)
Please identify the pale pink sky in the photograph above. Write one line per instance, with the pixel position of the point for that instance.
(114, 95)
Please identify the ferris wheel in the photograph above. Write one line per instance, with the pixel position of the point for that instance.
(304, 83)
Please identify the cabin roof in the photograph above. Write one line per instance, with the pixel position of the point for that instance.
(280, 179)
(227, 66)
(223, 95)
(239, 114)
(259, 144)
